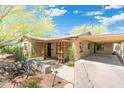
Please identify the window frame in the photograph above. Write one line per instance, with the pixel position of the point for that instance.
(81, 47)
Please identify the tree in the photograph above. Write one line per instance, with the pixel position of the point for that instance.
(4, 11)
(5, 36)
(85, 28)
(17, 22)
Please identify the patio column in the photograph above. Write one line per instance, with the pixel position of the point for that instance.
(122, 50)
(43, 50)
(60, 51)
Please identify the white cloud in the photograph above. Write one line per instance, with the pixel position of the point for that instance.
(57, 12)
(92, 13)
(99, 17)
(118, 29)
(51, 5)
(113, 7)
(110, 20)
(76, 12)
(121, 28)
(120, 11)
(62, 7)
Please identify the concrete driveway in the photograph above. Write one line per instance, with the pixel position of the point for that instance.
(103, 71)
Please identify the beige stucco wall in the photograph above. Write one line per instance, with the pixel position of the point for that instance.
(37, 49)
(86, 52)
(26, 52)
(108, 48)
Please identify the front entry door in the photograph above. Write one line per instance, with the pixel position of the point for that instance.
(94, 48)
(49, 50)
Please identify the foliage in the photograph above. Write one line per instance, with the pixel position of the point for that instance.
(16, 50)
(17, 22)
(4, 11)
(70, 56)
(6, 49)
(40, 34)
(6, 35)
(71, 63)
(84, 28)
(17, 53)
(29, 84)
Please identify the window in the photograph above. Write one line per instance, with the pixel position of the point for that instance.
(99, 47)
(89, 46)
(81, 47)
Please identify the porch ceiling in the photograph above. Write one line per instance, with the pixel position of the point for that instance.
(108, 38)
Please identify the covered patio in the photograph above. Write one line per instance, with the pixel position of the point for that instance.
(55, 49)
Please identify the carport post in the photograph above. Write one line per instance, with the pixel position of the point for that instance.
(122, 49)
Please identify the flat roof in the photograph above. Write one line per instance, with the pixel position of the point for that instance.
(66, 37)
(105, 38)
(87, 36)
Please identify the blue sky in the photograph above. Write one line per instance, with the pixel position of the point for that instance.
(67, 16)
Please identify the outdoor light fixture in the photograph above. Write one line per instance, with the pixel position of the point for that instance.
(54, 77)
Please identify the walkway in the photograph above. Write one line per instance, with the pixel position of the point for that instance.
(66, 73)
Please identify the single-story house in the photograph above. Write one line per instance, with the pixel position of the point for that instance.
(84, 44)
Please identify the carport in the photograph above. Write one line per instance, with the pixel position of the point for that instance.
(106, 43)
(102, 69)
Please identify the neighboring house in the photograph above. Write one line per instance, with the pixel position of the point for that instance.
(84, 44)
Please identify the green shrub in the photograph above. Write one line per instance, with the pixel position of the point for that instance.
(70, 54)
(71, 63)
(29, 84)
(70, 57)
(16, 50)
(6, 49)
(17, 53)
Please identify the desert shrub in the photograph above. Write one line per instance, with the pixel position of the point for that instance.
(17, 53)
(70, 56)
(6, 49)
(29, 84)
(16, 50)
(70, 63)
